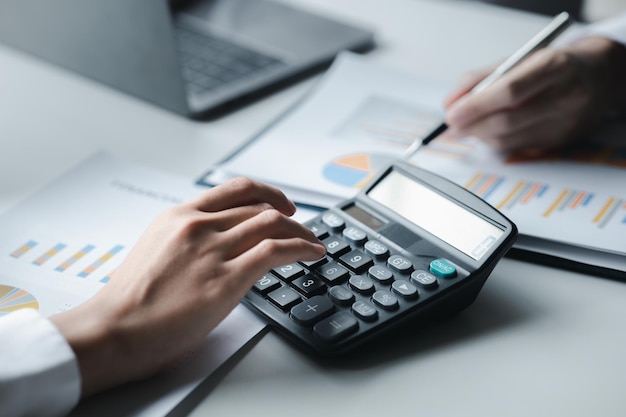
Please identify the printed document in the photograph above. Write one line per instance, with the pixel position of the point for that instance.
(362, 115)
(61, 245)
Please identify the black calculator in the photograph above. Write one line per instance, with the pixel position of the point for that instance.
(411, 245)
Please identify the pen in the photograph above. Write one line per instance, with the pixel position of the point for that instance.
(540, 40)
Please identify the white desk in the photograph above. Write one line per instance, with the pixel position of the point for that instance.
(537, 342)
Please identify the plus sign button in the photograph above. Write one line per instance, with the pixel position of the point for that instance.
(312, 310)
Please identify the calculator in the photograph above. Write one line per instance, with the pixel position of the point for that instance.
(410, 246)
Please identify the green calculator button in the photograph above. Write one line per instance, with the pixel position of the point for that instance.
(442, 268)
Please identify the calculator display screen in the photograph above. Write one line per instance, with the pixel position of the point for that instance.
(364, 217)
(436, 214)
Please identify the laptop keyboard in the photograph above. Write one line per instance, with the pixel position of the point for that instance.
(211, 63)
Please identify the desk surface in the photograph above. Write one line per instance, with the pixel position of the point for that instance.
(537, 342)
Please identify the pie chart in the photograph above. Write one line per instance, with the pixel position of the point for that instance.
(355, 170)
(12, 298)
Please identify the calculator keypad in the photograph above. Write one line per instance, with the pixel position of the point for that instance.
(360, 283)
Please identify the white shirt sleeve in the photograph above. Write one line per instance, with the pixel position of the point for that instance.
(613, 28)
(39, 373)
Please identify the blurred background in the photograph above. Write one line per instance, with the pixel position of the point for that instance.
(582, 10)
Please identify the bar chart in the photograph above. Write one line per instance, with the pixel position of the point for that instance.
(548, 201)
(79, 261)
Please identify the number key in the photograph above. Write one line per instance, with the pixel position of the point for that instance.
(333, 273)
(336, 247)
(309, 285)
(356, 261)
(289, 272)
(314, 264)
(266, 284)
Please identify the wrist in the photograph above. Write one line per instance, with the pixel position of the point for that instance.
(605, 62)
(93, 339)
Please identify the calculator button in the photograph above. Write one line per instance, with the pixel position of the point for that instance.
(442, 268)
(385, 299)
(336, 327)
(333, 273)
(341, 295)
(284, 298)
(354, 235)
(400, 264)
(362, 284)
(312, 310)
(424, 279)
(314, 264)
(266, 284)
(404, 289)
(376, 249)
(309, 285)
(333, 221)
(380, 274)
(336, 247)
(288, 272)
(319, 231)
(364, 311)
(356, 261)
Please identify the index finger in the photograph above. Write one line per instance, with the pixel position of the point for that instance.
(532, 76)
(468, 82)
(242, 191)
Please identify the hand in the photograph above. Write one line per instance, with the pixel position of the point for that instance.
(554, 96)
(191, 267)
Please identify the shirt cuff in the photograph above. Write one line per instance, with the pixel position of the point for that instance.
(613, 28)
(39, 373)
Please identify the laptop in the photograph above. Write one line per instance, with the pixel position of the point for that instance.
(198, 58)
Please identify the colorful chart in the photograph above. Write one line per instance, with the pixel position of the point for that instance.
(98, 263)
(68, 255)
(78, 255)
(12, 299)
(355, 170)
(23, 249)
(510, 194)
(49, 254)
(108, 277)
